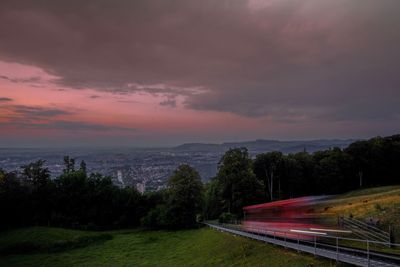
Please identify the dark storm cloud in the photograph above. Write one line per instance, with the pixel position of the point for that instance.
(289, 60)
(66, 126)
(21, 80)
(169, 102)
(38, 112)
(5, 99)
(34, 117)
(80, 126)
(25, 115)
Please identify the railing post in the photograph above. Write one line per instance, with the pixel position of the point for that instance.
(315, 245)
(265, 235)
(285, 239)
(337, 249)
(298, 243)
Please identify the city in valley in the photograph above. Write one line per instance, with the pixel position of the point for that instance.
(149, 169)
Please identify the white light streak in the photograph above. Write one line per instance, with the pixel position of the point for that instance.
(307, 232)
(330, 230)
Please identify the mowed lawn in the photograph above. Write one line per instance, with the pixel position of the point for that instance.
(201, 247)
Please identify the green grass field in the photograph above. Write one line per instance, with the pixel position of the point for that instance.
(42, 239)
(201, 247)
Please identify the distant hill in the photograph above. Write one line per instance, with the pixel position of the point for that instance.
(259, 146)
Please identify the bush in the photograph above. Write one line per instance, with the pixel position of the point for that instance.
(199, 218)
(155, 218)
(378, 207)
(227, 217)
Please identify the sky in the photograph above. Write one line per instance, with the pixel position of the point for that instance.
(167, 72)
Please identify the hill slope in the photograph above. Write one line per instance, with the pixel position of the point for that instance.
(380, 203)
(203, 247)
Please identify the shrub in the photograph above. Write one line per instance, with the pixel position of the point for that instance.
(199, 218)
(378, 207)
(155, 218)
(227, 217)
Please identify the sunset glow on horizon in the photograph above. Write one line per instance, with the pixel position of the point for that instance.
(163, 73)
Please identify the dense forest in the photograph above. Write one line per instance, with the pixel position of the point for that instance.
(80, 200)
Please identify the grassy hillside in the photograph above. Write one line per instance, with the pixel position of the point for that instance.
(381, 203)
(203, 247)
(42, 239)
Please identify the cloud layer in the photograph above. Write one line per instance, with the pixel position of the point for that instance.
(290, 61)
(43, 118)
(5, 99)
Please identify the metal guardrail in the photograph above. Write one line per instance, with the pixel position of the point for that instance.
(365, 230)
(358, 257)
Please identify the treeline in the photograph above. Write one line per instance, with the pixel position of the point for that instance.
(76, 199)
(91, 202)
(241, 181)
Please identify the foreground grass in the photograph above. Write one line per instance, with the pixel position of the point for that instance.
(202, 247)
(42, 239)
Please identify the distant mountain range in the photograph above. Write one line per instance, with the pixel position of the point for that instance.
(259, 146)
